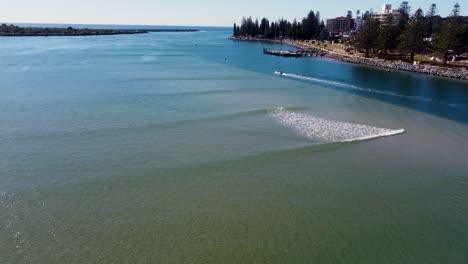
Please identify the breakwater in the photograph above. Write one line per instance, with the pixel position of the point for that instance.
(402, 66)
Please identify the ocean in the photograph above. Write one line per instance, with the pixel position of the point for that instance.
(187, 148)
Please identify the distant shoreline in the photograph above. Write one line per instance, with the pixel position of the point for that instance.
(374, 63)
(16, 31)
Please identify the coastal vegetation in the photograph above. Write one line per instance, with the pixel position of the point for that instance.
(17, 31)
(415, 34)
(311, 27)
(404, 36)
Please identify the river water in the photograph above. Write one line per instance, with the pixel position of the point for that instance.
(187, 148)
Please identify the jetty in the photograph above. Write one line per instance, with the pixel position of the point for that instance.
(295, 53)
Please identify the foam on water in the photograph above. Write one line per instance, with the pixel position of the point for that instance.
(324, 130)
(354, 87)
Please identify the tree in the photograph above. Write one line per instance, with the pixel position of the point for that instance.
(455, 10)
(271, 33)
(264, 27)
(349, 14)
(464, 39)
(322, 27)
(283, 27)
(403, 18)
(412, 38)
(234, 32)
(244, 27)
(294, 29)
(432, 11)
(367, 38)
(309, 26)
(277, 30)
(403, 15)
(366, 15)
(451, 37)
(431, 20)
(256, 29)
(387, 38)
(299, 31)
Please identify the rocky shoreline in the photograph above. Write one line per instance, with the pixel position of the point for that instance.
(402, 66)
(376, 63)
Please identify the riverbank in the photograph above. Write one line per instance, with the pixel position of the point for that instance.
(376, 63)
(16, 31)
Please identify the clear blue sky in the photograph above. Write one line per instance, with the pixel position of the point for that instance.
(183, 12)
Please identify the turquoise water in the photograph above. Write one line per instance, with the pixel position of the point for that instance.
(187, 148)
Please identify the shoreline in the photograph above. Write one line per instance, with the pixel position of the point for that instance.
(73, 34)
(373, 63)
(110, 33)
(16, 31)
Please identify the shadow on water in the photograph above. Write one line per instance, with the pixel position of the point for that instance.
(429, 94)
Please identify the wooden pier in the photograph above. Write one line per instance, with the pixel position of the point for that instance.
(295, 53)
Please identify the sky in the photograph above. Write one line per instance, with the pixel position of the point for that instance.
(193, 13)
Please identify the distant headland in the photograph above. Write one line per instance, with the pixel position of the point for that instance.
(17, 31)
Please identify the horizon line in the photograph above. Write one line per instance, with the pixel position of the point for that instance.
(109, 24)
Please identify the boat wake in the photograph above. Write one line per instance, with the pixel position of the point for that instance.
(354, 87)
(325, 130)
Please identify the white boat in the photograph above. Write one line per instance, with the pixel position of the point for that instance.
(278, 72)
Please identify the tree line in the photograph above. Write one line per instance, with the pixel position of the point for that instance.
(403, 33)
(311, 27)
(415, 33)
(12, 30)
(17, 31)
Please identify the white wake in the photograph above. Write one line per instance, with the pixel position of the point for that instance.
(354, 87)
(325, 130)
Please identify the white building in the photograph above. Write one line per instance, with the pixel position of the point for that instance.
(386, 9)
(385, 13)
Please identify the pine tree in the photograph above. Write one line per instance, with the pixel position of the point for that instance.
(317, 17)
(387, 38)
(367, 37)
(264, 27)
(257, 28)
(271, 32)
(431, 20)
(412, 38)
(299, 31)
(294, 29)
(451, 37)
(403, 16)
(309, 26)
